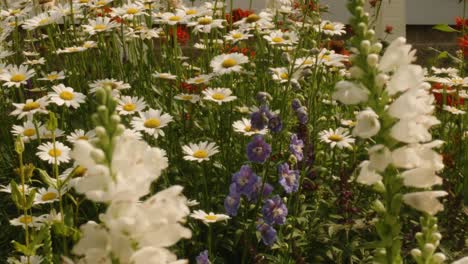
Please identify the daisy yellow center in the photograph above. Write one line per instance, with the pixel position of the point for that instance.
(152, 123)
(205, 21)
(200, 154)
(237, 35)
(229, 62)
(80, 171)
(129, 107)
(52, 77)
(199, 80)
(14, 12)
(211, 217)
(29, 132)
(100, 3)
(67, 96)
(84, 1)
(187, 97)
(284, 75)
(248, 128)
(55, 152)
(25, 219)
(252, 18)
(43, 21)
(218, 96)
(277, 39)
(31, 106)
(88, 45)
(132, 11)
(458, 81)
(174, 18)
(49, 196)
(308, 62)
(112, 85)
(72, 49)
(326, 58)
(191, 12)
(329, 27)
(99, 27)
(335, 137)
(19, 77)
(83, 137)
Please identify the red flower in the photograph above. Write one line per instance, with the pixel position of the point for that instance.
(463, 44)
(246, 51)
(237, 14)
(450, 98)
(311, 6)
(388, 29)
(182, 34)
(459, 22)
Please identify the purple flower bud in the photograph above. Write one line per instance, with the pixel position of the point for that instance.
(289, 179)
(203, 258)
(296, 147)
(295, 104)
(258, 150)
(275, 211)
(302, 115)
(275, 124)
(268, 233)
(231, 204)
(258, 120)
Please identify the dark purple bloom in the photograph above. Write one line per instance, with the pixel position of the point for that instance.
(258, 150)
(289, 179)
(258, 120)
(231, 204)
(268, 233)
(275, 124)
(267, 190)
(295, 104)
(244, 180)
(275, 211)
(203, 258)
(302, 115)
(296, 147)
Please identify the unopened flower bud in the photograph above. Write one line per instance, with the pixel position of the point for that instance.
(439, 257)
(381, 79)
(100, 131)
(379, 207)
(115, 118)
(19, 145)
(429, 249)
(365, 45)
(370, 34)
(98, 155)
(379, 187)
(436, 236)
(416, 253)
(356, 72)
(292, 159)
(377, 47)
(372, 59)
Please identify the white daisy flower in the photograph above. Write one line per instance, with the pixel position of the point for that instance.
(40, 61)
(194, 11)
(151, 122)
(89, 44)
(44, 196)
(53, 76)
(30, 221)
(27, 131)
(206, 23)
(455, 81)
(210, 217)
(330, 58)
(79, 134)
(31, 107)
(260, 21)
(31, 53)
(445, 71)
(227, 63)
(193, 98)
(16, 76)
(7, 188)
(48, 153)
(453, 110)
(337, 138)
(199, 152)
(179, 17)
(46, 134)
(332, 28)
(244, 127)
(129, 11)
(128, 105)
(63, 95)
(40, 20)
(164, 75)
(348, 123)
(99, 3)
(280, 74)
(72, 49)
(132, 133)
(116, 86)
(219, 95)
(278, 37)
(237, 35)
(202, 78)
(100, 24)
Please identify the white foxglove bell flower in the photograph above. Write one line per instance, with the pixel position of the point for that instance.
(414, 130)
(421, 178)
(398, 53)
(367, 124)
(418, 155)
(406, 77)
(379, 157)
(350, 93)
(425, 201)
(412, 103)
(368, 176)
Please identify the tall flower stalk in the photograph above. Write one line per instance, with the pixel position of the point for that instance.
(396, 112)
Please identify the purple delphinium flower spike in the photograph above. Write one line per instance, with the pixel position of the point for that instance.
(258, 150)
(289, 179)
(275, 124)
(275, 211)
(268, 233)
(245, 180)
(203, 258)
(296, 147)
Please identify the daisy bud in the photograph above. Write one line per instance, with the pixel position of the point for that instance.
(381, 79)
(439, 257)
(372, 59)
(416, 253)
(314, 51)
(365, 45)
(356, 72)
(100, 131)
(377, 47)
(429, 249)
(98, 155)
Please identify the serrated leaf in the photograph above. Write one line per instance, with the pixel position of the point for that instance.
(444, 28)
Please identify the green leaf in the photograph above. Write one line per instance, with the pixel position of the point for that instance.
(30, 199)
(46, 178)
(444, 28)
(16, 195)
